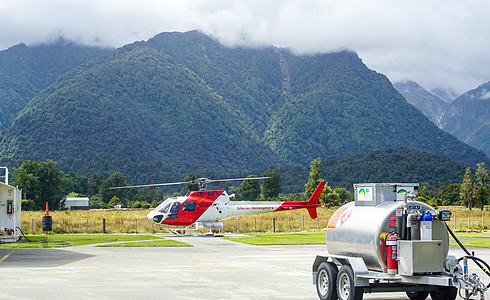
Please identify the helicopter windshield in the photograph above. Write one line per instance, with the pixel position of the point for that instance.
(163, 207)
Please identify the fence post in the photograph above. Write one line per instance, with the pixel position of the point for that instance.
(103, 225)
(273, 225)
(152, 228)
(86, 227)
(454, 222)
(303, 224)
(69, 226)
(121, 225)
(483, 221)
(469, 222)
(255, 224)
(136, 225)
(238, 225)
(289, 224)
(32, 226)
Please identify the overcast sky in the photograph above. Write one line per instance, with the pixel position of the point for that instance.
(437, 43)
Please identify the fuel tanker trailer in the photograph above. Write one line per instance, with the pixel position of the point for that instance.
(387, 241)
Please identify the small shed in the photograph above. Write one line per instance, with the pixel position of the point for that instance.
(10, 212)
(77, 203)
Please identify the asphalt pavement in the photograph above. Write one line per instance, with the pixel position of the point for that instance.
(214, 268)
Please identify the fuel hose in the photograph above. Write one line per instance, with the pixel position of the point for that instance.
(478, 261)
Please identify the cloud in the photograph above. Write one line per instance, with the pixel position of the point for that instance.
(438, 43)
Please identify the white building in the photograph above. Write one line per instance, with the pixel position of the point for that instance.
(10, 209)
(77, 203)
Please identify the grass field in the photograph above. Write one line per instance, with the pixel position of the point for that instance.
(474, 243)
(143, 240)
(134, 221)
(298, 238)
(155, 243)
(67, 240)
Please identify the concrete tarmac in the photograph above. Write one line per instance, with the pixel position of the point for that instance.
(213, 268)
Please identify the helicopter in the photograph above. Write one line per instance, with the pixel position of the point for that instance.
(210, 207)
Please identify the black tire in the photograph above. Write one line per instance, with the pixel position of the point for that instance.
(444, 293)
(47, 223)
(346, 289)
(326, 279)
(417, 295)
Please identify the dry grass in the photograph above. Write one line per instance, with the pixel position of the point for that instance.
(132, 221)
(478, 219)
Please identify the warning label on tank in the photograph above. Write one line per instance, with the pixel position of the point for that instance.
(335, 217)
(392, 222)
(345, 217)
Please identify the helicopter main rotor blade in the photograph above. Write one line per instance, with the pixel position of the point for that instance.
(147, 185)
(233, 179)
(195, 181)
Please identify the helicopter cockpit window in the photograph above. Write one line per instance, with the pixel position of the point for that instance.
(175, 208)
(189, 206)
(165, 209)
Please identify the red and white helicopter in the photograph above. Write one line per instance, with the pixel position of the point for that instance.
(211, 207)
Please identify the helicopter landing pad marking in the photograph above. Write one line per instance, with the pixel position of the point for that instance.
(5, 257)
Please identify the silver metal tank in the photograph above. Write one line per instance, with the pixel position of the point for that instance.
(355, 230)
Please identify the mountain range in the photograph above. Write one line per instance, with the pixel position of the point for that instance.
(467, 117)
(182, 102)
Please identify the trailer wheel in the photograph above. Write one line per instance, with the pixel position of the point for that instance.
(346, 289)
(417, 295)
(444, 293)
(326, 278)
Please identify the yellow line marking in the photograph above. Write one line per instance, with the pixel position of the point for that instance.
(5, 256)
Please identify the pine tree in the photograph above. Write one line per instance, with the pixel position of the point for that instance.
(314, 180)
(271, 187)
(466, 190)
(482, 192)
(114, 201)
(250, 189)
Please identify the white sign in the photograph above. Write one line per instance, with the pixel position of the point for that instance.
(365, 194)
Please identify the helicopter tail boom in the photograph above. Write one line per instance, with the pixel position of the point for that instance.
(310, 205)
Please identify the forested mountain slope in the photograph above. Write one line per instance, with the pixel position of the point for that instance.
(135, 111)
(24, 71)
(182, 102)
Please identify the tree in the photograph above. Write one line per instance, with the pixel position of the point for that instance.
(250, 189)
(71, 184)
(94, 184)
(344, 195)
(481, 185)
(190, 186)
(271, 187)
(41, 182)
(449, 195)
(466, 190)
(113, 202)
(314, 180)
(115, 180)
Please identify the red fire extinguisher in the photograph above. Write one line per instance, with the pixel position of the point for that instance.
(391, 253)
